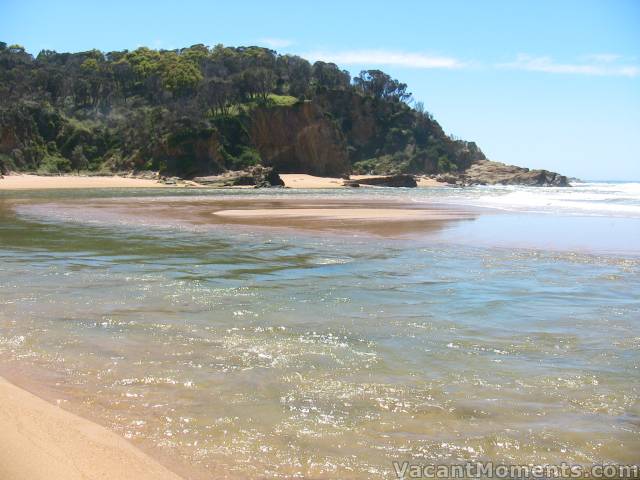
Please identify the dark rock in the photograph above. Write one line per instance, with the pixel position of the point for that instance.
(449, 178)
(485, 172)
(170, 180)
(259, 177)
(399, 180)
(272, 178)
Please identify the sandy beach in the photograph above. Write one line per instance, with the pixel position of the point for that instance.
(40, 441)
(301, 180)
(40, 182)
(291, 180)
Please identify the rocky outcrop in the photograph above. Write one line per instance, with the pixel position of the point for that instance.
(259, 177)
(298, 139)
(399, 180)
(485, 172)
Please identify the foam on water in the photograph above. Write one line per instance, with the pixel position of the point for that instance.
(596, 199)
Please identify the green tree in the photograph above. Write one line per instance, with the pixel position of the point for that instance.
(295, 74)
(380, 85)
(90, 65)
(257, 83)
(180, 76)
(217, 94)
(78, 159)
(328, 76)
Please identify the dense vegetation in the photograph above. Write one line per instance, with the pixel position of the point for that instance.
(201, 110)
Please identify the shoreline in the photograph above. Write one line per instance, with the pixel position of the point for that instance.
(41, 441)
(28, 181)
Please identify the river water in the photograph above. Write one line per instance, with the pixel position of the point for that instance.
(240, 352)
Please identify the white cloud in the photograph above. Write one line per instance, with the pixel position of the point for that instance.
(602, 57)
(276, 42)
(598, 65)
(385, 57)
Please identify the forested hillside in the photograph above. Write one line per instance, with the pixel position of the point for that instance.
(202, 110)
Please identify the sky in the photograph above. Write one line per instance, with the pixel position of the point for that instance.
(542, 84)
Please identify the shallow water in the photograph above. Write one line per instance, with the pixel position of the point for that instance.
(246, 353)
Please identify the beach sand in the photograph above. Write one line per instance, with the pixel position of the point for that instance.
(300, 180)
(386, 219)
(39, 182)
(291, 180)
(429, 182)
(40, 441)
(341, 213)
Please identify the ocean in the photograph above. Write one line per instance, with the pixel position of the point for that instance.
(235, 351)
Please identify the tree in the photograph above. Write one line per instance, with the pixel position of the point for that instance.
(90, 65)
(145, 62)
(295, 74)
(217, 94)
(328, 76)
(257, 82)
(380, 85)
(78, 160)
(180, 76)
(15, 48)
(124, 77)
(196, 54)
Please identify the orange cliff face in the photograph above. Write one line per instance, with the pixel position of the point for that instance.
(299, 139)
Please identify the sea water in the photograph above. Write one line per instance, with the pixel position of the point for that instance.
(252, 353)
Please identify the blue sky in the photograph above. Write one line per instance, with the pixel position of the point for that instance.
(545, 84)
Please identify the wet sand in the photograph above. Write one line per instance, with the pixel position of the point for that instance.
(350, 216)
(40, 441)
(346, 213)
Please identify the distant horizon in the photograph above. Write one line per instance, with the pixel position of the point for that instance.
(544, 85)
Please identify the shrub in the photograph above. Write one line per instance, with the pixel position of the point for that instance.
(383, 165)
(6, 164)
(281, 100)
(248, 158)
(54, 164)
(446, 165)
